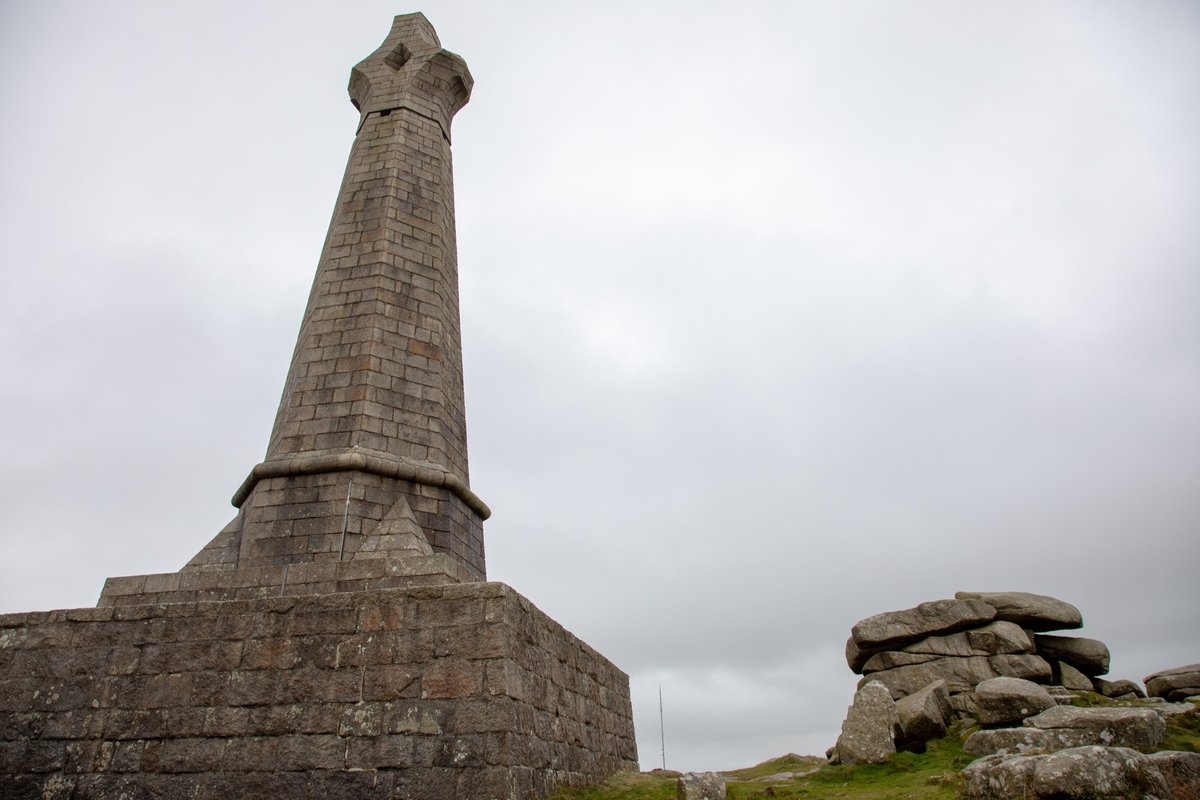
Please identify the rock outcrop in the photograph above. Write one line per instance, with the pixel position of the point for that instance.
(1175, 684)
(990, 657)
(976, 637)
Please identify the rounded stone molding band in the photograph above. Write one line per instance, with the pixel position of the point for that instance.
(359, 460)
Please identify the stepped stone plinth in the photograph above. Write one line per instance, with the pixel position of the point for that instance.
(338, 638)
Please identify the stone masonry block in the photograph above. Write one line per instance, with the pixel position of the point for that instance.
(452, 678)
(317, 685)
(324, 621)
(320, 752)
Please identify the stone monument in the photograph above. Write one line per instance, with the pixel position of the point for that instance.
(338, 638)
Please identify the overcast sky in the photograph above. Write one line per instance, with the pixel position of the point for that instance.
(774, 317)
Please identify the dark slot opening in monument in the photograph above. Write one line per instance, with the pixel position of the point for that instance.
(385, 112)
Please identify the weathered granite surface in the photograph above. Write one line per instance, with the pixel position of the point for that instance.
(1089, 656)
(1079, 773)
(456, 691)
(923, 716)
(870, 729)
(1174, 684)
(1036, 612)
(700, 786)
(1008, 701)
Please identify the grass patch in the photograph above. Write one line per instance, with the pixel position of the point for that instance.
(932, 775)
(789, 763)
(1183, 733)
(624, 786)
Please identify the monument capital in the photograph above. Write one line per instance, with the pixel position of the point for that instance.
(411, 70)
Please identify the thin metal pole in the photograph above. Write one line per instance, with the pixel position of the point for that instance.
(283, 586)
(662, 732)
(346, 517)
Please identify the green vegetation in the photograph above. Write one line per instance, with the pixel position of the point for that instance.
(932, 775)
(1183, 733)
(626, 786)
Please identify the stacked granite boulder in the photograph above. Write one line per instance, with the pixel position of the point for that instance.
(975, 637)
(1181, 683)
(988, 659)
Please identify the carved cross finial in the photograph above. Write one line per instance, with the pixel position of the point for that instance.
(411, 70)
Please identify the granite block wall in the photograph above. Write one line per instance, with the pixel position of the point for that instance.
(455, 691)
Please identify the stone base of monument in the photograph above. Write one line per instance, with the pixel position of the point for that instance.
(449, 691)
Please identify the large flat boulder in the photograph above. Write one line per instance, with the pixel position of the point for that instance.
(892, 630)
(1007, 701)
(1037, 612)
(1123, 727)
(1089, 656)
(1063, 727)
(995, 638)
(1022, 741)
(870, 728)
(1078, 773)
(960, 674)
(924, 715)
(1174, 684)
